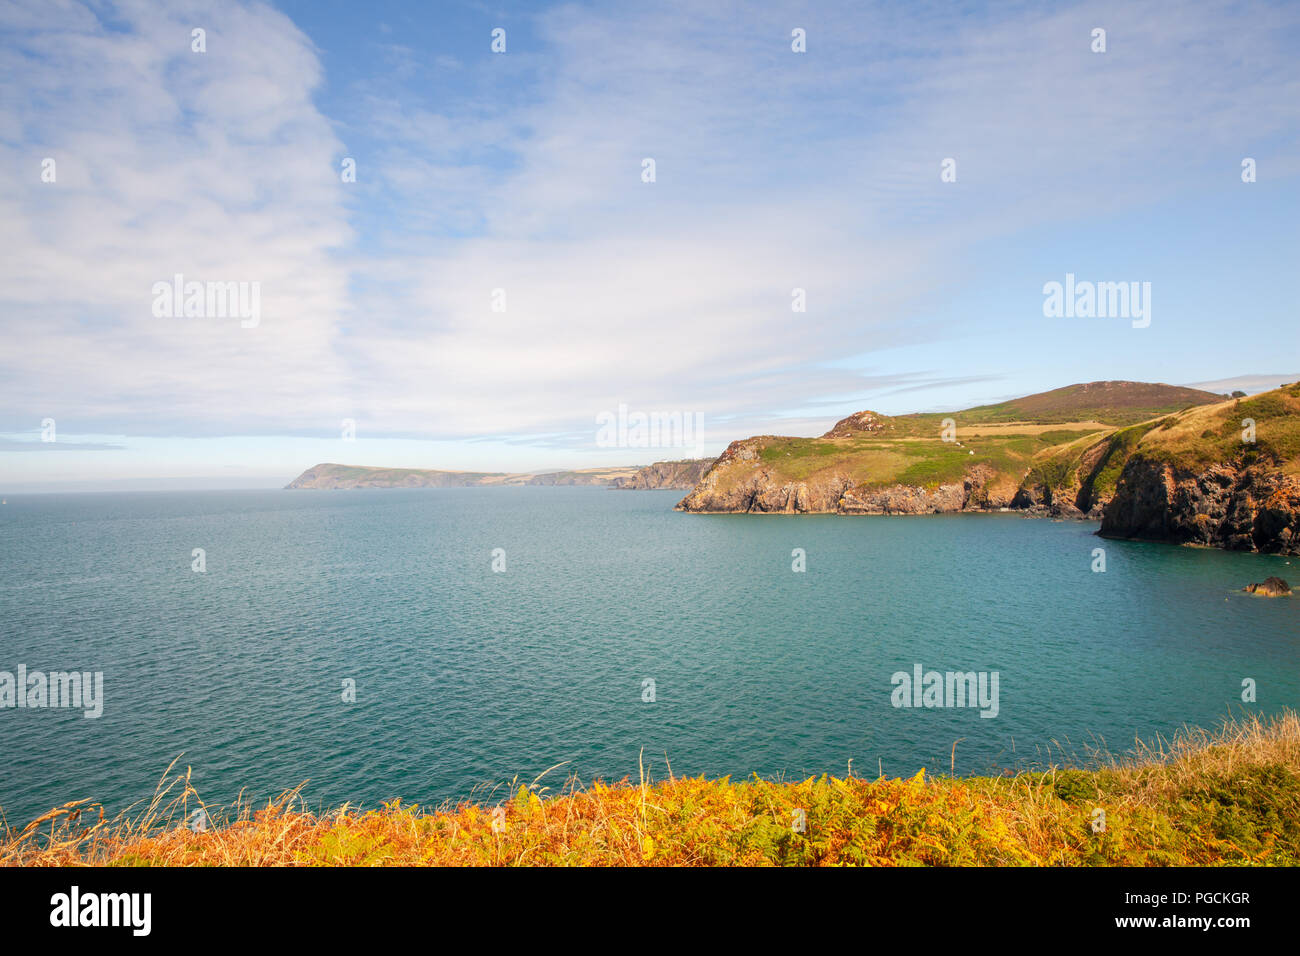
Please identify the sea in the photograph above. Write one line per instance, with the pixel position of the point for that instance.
(439, 645)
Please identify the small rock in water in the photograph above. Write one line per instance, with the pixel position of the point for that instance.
(1272, 587)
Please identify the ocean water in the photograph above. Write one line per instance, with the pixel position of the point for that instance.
(467, 677)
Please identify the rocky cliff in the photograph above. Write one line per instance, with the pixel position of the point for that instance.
(738, 482)
(666, 474)
(1225, 474)
(1232, 505)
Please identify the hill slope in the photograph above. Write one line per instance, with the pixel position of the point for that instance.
(330, 475)
(1180, 473)
(1115, 403)
(1202, 478)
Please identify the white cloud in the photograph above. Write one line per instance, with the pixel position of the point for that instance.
(775, 170)
(216, 166)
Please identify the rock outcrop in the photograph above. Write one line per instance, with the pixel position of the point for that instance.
(561, 479)
(975, 492)
(759, 490)
(1228, 505)
(859, 423)
(1220, 474)
(1271, 587)
(666, 474)
(1073, 493)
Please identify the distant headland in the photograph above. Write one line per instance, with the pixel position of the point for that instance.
(662, 474)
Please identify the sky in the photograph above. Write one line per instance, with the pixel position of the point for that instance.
(499, 274)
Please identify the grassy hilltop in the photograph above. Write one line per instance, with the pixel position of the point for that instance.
(1231, 797)
(1001, 445)
(1192, 440)
(1113, 403)
(1062, 452)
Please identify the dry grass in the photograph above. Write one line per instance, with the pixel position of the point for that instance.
(1212, 433)
(1228, 797)
(993, 429)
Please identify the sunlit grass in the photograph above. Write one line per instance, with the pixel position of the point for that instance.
(1228, 797)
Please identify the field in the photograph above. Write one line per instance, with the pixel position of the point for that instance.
(915, 459)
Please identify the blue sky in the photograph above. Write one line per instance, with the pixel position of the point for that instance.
(521, 171)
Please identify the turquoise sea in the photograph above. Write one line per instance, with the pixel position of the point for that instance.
(468, 677)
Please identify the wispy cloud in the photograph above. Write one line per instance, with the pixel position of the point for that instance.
(56, 447)
(774, 171)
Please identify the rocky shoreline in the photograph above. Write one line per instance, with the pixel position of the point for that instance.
(1182, 479)
(1233, 507)
(682, 475)
(834, 494)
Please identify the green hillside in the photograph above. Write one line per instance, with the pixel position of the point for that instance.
(1113, 403)
(1064, 450)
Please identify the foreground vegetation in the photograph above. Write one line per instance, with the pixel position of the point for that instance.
(1229, 797)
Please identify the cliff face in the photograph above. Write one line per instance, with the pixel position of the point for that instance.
(565, 479)
(1230, 505)
(1223, 474)
(666, 474)
(977, 491)
(738, 483)
(1079, 491)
